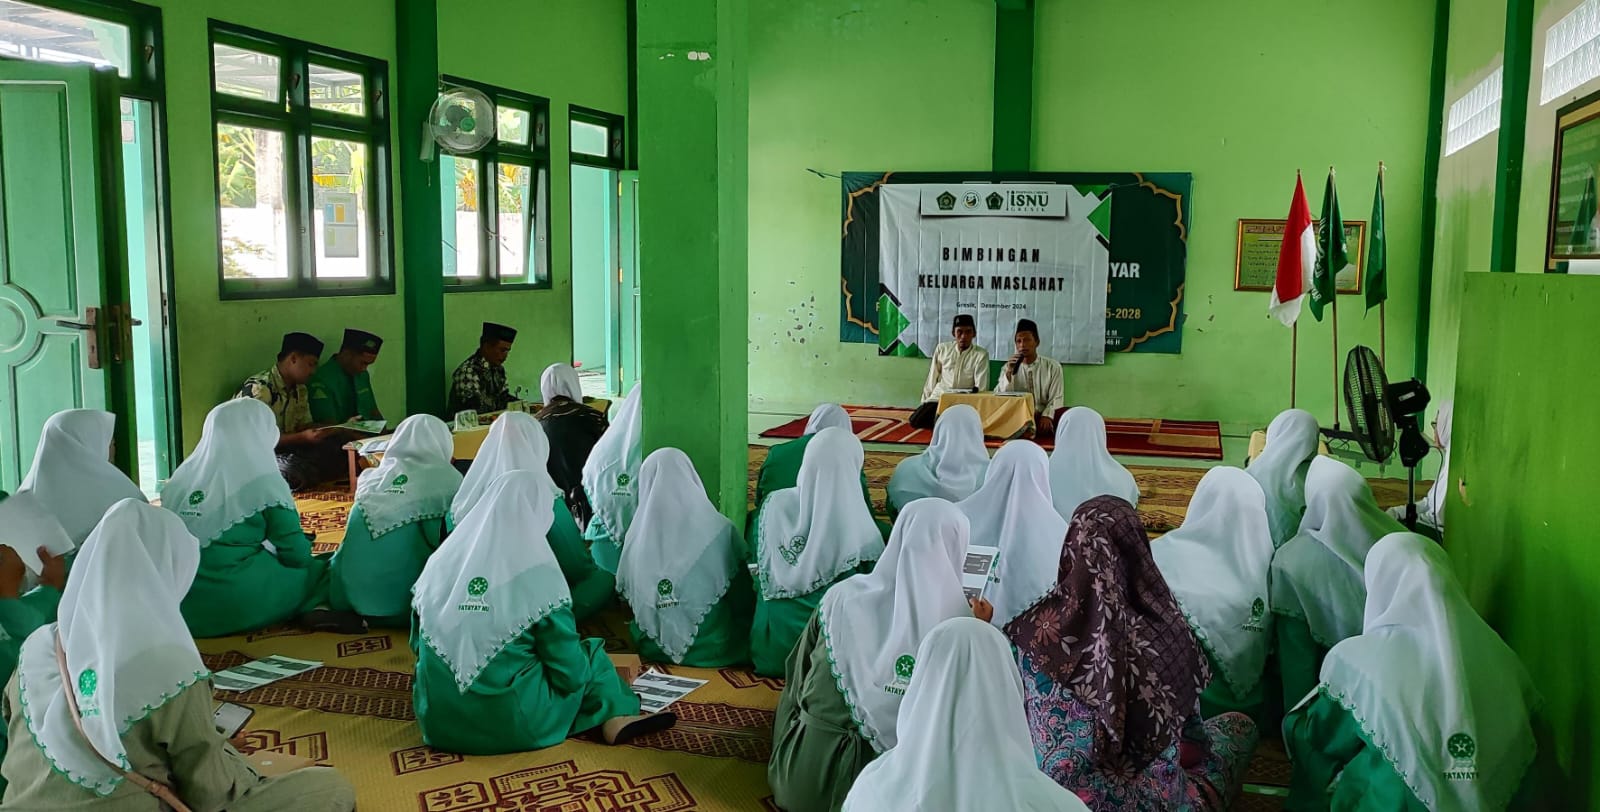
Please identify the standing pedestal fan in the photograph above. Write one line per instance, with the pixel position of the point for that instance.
(1376, 408)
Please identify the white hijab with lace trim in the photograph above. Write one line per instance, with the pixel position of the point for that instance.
(681, 556)
(828, 416)
(952, 468)
(1435, 689)
(873, 624)
(128, 650)
(516, 442)
(613, 466)
(1082, 467)
(560, 380)
(72, 477)
(415, 481)
(809, 535)
(1013, 511)
(1318, 574)
(232, 474)
(492, 578)
(1218, 565)
(1292, 440)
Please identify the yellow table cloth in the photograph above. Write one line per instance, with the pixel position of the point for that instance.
(1003, 416)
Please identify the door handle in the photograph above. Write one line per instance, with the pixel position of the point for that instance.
(91, 327)
(76, 325)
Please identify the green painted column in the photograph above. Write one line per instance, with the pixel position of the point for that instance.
(1013, 85)
(422, 288)
(1513, 133)
(1430, 183)
(693, 209)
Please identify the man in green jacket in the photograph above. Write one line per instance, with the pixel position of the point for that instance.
(341, 388)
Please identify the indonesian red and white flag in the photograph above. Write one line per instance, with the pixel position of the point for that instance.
(1297, 256)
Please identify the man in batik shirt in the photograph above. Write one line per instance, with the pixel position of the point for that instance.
(480, 382)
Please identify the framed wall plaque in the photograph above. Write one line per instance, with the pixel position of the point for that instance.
(1574, 231)
(1255, 259)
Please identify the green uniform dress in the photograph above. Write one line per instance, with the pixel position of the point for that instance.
(1299, 657)
(593, 588)
(19, 617)
(723, 638)
(817, 750)
(177, 745)
(374, 576)
(337, 396)
(1219, 697)
(781, 469)
(241, 587)
(543, 686)
(780, 623)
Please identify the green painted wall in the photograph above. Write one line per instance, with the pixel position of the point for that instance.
(1521, 542)
(878, 85)
(571, 52)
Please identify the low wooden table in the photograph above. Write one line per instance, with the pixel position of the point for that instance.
(467, 444)
(1004, 417)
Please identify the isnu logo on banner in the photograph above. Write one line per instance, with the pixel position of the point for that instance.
(993, 200)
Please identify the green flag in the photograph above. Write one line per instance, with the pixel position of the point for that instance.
(1377, 252)
(1582, 236)
(1332, 255)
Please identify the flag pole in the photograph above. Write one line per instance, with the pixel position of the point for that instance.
(1383, 306)
(1294, 362)
(1334, 274)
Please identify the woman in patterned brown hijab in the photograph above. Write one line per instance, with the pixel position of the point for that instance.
(1113, 674)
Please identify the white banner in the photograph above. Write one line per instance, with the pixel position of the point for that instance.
(999, 267)
(994, 200)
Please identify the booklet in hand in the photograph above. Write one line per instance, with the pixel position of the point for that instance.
(976, 571)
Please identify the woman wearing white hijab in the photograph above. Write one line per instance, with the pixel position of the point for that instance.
(516, 442)
(396, 522)
(951, 469)
(1317, 588)
(781, 468)
(256, 566)
(808, 537)
(841, 696)
(1426, 709)
(683, 571)
(1430, 509)
(608, 481)
(1218, 565)
(1292, 440)
(574, 428)
(500, 666)
(1012, 511)
(72, 476)
(964, 744)
(136, 692)
(1081, 467)
(27, 601)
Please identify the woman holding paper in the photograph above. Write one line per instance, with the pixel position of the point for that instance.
(72, 476)
(846, 676)
(808, 538)
(1217, 565)
(256, 566)
(1317, 586)
(517, 442)
(1426, 709)
(608, 481)
(964, 743)
(1012, 511)
(1292, 440)
(683, 571)
(1112, 677)
(118, 681)
(397, 521)
(1081, 467)
(500, 666)
(952, 468)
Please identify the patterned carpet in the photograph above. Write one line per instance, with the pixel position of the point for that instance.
(355, 713)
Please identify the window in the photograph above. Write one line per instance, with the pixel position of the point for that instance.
(302, 151)
(497, 200)
(1571, 52)
(597, 138)
(1475, 115)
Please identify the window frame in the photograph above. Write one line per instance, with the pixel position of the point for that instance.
(616, 137)
(301, 123)
(532, 155)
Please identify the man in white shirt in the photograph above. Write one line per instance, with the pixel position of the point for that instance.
(1028, 371)
(957, 365)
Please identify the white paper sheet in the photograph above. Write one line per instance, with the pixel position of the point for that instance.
(979, 566)
(657, 690)
(256, 673)
(26, 526)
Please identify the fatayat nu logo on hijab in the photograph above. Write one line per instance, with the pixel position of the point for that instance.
(903, 666)
(791, 551)
(88, 683)
(1258, 613)
(399, 484)
(623, 481)
(664, 596)
(1463, 758)
(476, 588)
(194, 500)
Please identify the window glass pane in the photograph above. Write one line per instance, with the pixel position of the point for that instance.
(28, 31)
(337, 91)
(459, 178)
(250, 182)
(511, 232)
(339, 181)
(244, 73)
(590, 139)
(538, 251)
(513, 125)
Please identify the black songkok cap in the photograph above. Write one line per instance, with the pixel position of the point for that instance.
(1027, 326)
(964, 320)
(498, 332)
(302, 342)
(362, 340)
